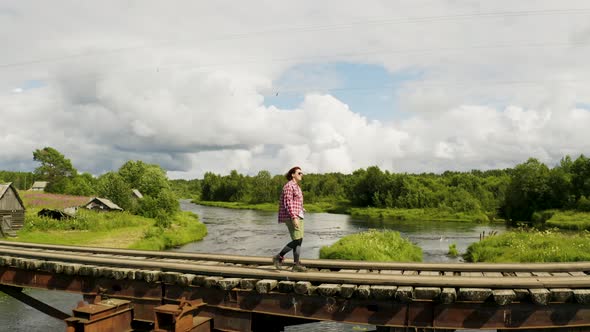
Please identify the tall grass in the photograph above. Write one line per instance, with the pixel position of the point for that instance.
(418, 214)
(104, 229)
(373, 245)
(85, 220)
(531, 246)
(40, 199)
(569, 220)
(185, 228)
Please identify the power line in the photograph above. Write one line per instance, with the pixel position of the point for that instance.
(425, 19)
(303, 59)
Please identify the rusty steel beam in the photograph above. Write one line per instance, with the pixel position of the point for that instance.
(16, 292)
(322, 263)
(237, 308)
(419, 314)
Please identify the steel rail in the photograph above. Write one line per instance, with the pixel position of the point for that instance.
(320, 277)
(319, 263)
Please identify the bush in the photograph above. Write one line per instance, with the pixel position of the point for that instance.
(373, 245)
(453, 252)
(583, 204)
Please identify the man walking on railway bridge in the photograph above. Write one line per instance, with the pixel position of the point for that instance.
(291, 213)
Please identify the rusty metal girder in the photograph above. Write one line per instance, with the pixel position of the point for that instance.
(420, 314)
(16, 292)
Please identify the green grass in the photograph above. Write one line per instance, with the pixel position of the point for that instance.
(105, 229)
(531, 246)
(186, 228)
(453, 252)
(418, 214)
(85, 220)
(373, 245)
(569, 220)
(119, 238)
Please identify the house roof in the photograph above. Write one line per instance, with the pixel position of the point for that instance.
(106, 202)
(137, 193)
(4, 188)
(40, 184)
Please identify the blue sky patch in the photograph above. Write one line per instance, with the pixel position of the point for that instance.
(32, 84)
(366, 88)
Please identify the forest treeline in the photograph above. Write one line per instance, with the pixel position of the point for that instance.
(518, 194)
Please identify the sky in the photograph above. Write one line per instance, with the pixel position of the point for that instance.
(331, 86)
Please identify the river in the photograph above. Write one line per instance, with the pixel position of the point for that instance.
(256, 233)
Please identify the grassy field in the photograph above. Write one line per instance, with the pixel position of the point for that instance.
(573, 220)
(103, 229)
(373, 245)
(531, 246)
(418, 215)
(39, 199)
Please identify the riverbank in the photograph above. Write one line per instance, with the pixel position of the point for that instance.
(322, 207)
(104, 229)
(531, 246)
(369, 213)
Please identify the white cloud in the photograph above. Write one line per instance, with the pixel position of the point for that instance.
(184, 86)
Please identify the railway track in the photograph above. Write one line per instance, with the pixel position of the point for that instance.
(533, 275)
(387, 293)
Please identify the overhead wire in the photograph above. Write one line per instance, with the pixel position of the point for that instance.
(315, 28)
(337, 56)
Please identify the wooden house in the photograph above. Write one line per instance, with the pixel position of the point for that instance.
(39, 186)
(102, 204)
(12, 209)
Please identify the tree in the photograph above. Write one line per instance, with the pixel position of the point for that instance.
(132, 171)
(528, 191)
(112, 186)
(262, 188)
(152, 181)
(54, 166)
(580, 170)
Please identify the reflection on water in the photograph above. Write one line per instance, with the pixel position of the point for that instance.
(256, 233)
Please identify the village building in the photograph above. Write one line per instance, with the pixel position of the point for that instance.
(102, 204)
(12, 209)
(136, 194)
(39, 185)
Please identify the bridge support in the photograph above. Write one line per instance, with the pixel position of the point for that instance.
(107, 315)
(181, 317)
(16, 292)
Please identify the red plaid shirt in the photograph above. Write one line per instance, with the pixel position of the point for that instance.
(291, 202)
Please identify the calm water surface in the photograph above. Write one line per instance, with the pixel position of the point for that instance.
(256, 233)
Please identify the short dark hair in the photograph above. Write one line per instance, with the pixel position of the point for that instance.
(292, 171)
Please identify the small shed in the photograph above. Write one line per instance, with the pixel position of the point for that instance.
(54, 214)
(102, 204)
(39, 185)
(12, 208)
